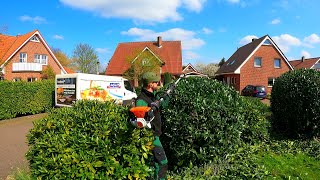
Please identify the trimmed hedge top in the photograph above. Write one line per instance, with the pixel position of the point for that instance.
(207, 121)
(295, 103)
(92, 140)
(22, 98)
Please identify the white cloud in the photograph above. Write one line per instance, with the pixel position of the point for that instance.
(207, 30)
(286, 41)
(189, 55)
(59, 37)
(247, 39)
(313, 39)
(275, 21)
(35, 20)
(306, 54)
(194, 5)
(188, 39)
(102, 50)
(138, 10)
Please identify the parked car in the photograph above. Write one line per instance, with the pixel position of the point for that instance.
(254, 91)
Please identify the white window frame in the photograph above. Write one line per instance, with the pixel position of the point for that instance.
(23, 57)
(37, 58)
(145, 62)
(31, 79)
(274, 63)
(254, 62)
(44, 59)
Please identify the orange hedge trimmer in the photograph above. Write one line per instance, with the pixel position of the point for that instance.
(144, 115)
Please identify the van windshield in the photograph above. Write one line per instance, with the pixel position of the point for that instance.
(128, 86)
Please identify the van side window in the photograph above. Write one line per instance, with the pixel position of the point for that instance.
(128, 86)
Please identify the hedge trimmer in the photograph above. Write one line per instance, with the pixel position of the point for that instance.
(144, 115)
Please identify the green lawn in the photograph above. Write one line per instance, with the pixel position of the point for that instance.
(290, 166)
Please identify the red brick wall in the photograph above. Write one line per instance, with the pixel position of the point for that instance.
(235, 83)
(31, 48)
(259, 75)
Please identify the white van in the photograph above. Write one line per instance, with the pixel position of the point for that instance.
(72, 87)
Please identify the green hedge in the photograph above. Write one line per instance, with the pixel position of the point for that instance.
(295, 103)
(207, 121)
(22, 98)
(92, 140)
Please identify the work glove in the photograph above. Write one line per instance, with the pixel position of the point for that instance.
(156, 105)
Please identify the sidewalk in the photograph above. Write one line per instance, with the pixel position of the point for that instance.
(13, 143)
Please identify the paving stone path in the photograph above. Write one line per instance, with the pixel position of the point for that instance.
(13, 143)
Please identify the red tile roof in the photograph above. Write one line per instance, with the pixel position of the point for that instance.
(9, 44)
(68, 70)
(307, 63)
(169, 52)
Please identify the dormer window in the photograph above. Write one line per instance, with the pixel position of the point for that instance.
(232, 62)
(34, 39)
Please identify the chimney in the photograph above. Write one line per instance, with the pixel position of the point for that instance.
(159, 41)
(302, 58)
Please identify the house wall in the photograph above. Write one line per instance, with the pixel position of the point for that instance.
(231, 80)
(259, 75)
(31, 48)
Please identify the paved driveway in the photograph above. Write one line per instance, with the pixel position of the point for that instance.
(13, 143)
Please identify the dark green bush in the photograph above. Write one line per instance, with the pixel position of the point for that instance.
(92, 140)
(295, 103)
(207, 121)
(21, 98)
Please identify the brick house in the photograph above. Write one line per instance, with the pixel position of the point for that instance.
(309, 63)
(25, 57)
(256, 63)
(166, 54)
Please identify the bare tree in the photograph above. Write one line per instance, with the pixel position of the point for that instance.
(85, 59)
(62, 57)
(208, 69)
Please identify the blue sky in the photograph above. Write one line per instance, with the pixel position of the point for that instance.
(208, 29)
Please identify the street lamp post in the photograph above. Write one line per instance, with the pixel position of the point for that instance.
(98, 63)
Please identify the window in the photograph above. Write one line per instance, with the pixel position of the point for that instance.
(271, 81)
(128, 86)
(34, 39)
(37, 58)
(41, 58)
(23, 57)
(277, 63)
(267, 42)
(44, 59)
(16, 79)
(232, 62)
(31, 79)
(257, 62)
(145, 61)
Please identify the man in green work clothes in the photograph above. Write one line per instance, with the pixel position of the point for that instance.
(147, 97)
